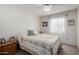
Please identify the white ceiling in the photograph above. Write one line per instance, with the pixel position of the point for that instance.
(35, 8)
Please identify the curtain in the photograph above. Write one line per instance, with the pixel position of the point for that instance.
(57, 25)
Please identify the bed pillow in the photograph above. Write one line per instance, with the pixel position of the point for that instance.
(30, 33)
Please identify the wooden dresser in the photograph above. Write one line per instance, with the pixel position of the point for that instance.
(8, 48)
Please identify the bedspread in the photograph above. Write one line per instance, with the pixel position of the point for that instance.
(43, 40)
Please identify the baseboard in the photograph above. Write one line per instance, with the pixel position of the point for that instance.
(70, 45)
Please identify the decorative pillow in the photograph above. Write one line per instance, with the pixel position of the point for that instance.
(30, 33)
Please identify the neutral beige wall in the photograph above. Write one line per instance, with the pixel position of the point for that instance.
(70, 36)
(16, 19)
(78, 27)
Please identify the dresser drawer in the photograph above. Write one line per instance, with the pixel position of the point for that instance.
(9, 48)
(12, 45)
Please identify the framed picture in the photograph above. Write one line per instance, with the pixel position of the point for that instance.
(44, 24)
(2, 41)
(12, 38)
(71, 22)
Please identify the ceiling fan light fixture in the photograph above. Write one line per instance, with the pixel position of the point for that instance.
(46, 7)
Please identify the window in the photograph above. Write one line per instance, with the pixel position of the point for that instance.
(57, 25)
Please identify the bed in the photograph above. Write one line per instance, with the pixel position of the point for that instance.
(41, 44)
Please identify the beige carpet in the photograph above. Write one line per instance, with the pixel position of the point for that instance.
(68, 50)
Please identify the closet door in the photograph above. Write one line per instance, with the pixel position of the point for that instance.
(70, 29)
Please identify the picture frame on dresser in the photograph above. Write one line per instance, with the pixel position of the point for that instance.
(12, 38)
(2, 41)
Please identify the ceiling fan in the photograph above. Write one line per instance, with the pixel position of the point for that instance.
(47, 7)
